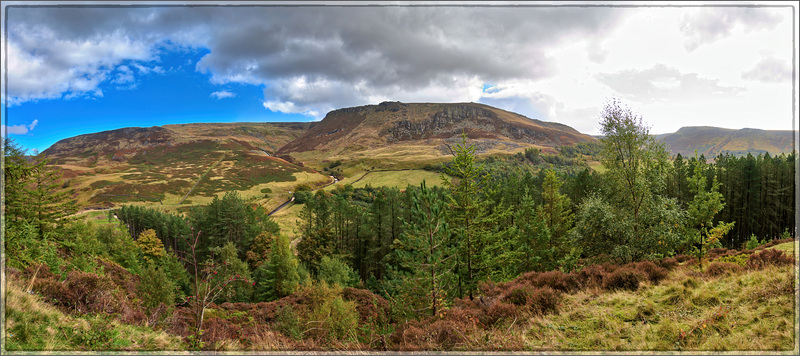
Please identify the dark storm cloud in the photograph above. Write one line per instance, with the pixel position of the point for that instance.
(306, 55)
(714, 23)
(662, 83)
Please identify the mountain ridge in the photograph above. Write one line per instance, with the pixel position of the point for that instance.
(711, 141)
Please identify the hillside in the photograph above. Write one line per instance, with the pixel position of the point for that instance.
(711, 141)
(394, 131)
(181, 164)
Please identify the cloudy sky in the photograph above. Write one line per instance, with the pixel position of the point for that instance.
(81, 69)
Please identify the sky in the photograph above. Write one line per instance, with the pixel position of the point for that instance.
(70, 70)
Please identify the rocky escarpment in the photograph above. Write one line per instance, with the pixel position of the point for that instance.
(371, 126)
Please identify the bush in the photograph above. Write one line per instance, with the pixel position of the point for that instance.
(592, 276)
(156, 291)
(544, 300)
(564, 282)
(333, 320)
(682, 258)
(738, 259)
(541, 300)
(654, 273)
(667, 263)
(499, 311)
(753, 242)
(446, 333)
(623, 278)
(288, 323)
(768, 257)
(335, 271)
(722, 268)
(714, 252)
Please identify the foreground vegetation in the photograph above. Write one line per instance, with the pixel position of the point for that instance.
(521, 252)
(660, 305)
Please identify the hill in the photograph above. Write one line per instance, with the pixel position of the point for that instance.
(392, 132)
(711, 141)
(181, 164)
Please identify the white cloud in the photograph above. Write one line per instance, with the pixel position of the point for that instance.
(680, 65)
(43, 65)
(708, 25)
(770, 70)
(222, 94)
(21, 129)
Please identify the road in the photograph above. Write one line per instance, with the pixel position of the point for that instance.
(286, 203)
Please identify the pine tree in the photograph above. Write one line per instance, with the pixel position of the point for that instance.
(556, 209)
(423, 272)
(707, 202)
(280, 276)
(44, 196)
(470, 216)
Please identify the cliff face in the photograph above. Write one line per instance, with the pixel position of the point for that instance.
(393, 122)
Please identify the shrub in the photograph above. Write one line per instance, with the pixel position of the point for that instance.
(544, 300)
(564, 282)
(368, 304)
(753, 242)
(667, 263)
(769, 257)
(518, 295)
(623, 278)
(446, 333)
(592, 276)
(288, 323)
(499, 311)
(714, 252)
(738, 259)
(722, 268)
(156, 291)
(335, 271)
(682, 258)
(334, 320)
(654, 273)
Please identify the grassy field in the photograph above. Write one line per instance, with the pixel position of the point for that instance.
(788, 247)
(398, 179)
(597, 166)
(287, 220)
(687, 311)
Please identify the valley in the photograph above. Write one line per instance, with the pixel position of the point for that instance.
(400, 227)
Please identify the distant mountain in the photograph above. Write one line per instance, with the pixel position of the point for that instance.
(124, 143)
(182, 164)
(424, 129)
(710, 141)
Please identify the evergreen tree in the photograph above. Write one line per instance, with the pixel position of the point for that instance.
(280, 276)
(535, 251)
(422, 274)
(470, 217)
(555, 211)
(707, 202)
(43, 201)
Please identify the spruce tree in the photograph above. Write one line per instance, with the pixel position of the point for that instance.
(45, 199)
(469, 216)
(423, 271)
